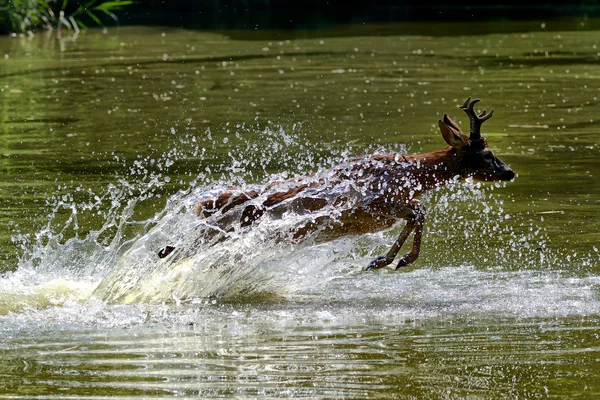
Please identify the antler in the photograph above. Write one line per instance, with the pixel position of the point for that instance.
(476, 120)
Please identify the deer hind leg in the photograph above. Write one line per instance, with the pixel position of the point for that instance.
(415, 217)
(415, 249)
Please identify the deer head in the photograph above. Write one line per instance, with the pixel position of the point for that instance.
(475, 159)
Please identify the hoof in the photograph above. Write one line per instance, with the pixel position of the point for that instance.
(404, 261)
(165, 251)
(377, 263)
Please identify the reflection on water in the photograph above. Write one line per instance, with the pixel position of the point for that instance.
(107, 141)
(326, 351)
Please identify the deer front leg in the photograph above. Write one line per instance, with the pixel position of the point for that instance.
(415, 217)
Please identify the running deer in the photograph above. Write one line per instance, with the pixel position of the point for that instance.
(385, 189)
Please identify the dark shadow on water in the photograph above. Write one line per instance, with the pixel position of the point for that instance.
(541, 60)
(415, 28)
(526, 60)
(187, 60)
(56, 120)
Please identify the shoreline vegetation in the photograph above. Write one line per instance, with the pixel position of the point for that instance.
(29, 16)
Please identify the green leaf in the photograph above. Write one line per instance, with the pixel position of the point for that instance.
(84, 7)
(94, 17)
(113, 5)
(81, 24)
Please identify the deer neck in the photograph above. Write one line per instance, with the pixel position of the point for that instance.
(434, 169)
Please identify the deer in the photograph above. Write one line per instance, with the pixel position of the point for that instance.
(386, 189)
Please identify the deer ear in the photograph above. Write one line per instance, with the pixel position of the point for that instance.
(452, 136)
(451, 123)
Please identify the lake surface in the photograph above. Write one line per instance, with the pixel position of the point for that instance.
(108, 139)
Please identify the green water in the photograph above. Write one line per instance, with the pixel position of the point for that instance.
(503, 302)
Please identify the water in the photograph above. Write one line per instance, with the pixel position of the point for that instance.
(109, 139)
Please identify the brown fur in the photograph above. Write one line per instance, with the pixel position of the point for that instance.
(392, 182)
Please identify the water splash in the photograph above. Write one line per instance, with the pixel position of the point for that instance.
(93, 236)
(79, 265)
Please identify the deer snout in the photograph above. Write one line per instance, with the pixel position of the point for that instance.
(508, 175)
(502, 171)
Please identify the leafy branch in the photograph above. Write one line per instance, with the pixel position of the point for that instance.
(28, 15)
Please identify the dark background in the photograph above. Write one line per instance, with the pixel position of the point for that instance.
(307, 14)
(311, 15)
